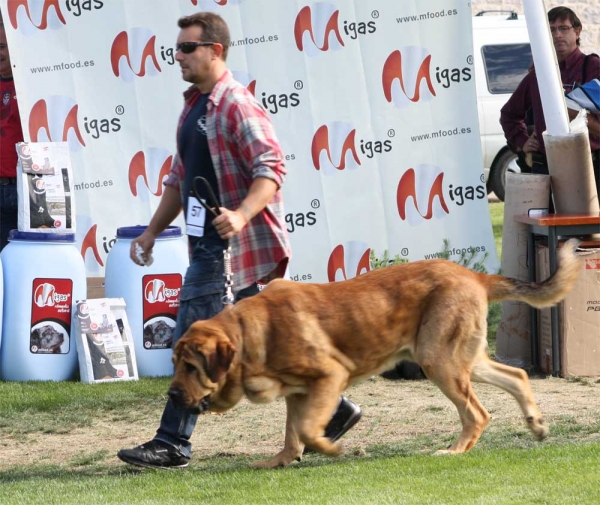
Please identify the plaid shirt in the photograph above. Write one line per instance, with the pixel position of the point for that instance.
(243, 146)
(527, 95)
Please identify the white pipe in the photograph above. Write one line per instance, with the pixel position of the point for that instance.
(546, 68)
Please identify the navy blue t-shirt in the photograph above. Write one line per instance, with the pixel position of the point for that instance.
(196, 159)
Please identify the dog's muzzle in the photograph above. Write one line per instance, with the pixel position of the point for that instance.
(177, 399)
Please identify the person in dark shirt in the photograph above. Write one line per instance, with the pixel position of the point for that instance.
(575, 68)
(10, 134)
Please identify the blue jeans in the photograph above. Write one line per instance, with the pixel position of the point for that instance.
(9, 208)
(201, 298)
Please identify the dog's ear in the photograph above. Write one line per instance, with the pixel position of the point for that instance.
(219, 361)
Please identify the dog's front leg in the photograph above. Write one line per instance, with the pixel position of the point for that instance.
(293, 447)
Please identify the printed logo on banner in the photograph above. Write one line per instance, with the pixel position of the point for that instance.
(154, 164)
(348, 261)
(160, 305)
(55, 119)
(51, 316)
(272, 102)
(317, 28)
(334, 147)
(420, 194)
(407, 76)
(90, 242)
(134, 54)
(30, 16)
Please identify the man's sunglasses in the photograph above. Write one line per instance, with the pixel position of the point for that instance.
(190, 47)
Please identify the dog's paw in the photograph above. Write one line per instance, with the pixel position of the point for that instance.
(271, 463)
(281, 460)
(538, 427)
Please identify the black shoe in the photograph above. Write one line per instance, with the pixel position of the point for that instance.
(154, 454)
(346, 416)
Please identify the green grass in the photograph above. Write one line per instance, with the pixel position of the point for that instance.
(51, 409)
(497, 215)
(565, 474)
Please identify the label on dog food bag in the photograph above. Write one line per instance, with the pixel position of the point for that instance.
(51, 316)
(161, 303)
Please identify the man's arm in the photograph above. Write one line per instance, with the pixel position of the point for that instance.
(230, 222)
(513, 114)
(168, 209)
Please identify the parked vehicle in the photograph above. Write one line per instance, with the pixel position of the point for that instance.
(502, 57)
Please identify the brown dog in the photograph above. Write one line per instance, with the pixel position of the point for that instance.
(309, 342)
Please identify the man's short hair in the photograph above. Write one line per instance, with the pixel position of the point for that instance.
(565, 13)
(214, 28)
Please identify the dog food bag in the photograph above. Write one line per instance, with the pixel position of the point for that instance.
(44, 186)
(104, 342)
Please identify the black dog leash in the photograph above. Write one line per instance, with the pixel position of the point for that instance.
(213, 207)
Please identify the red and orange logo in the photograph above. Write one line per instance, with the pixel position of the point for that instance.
(404, 74)
(334, 147)
(317, 29)
(54, 119)
(28, 14)
(155, 163)
(424, 189)
(128, 62)
(348, 261)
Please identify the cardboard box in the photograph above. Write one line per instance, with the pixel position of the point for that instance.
(95, 287)
(579, 320)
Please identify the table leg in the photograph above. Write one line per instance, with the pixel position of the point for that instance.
(533, 312)
(552, 247)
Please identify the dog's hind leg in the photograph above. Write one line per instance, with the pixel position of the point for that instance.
(293, 447)
(516, 382)
(473, 415)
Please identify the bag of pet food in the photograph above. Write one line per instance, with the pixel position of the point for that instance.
(44, 187)
(104, 341)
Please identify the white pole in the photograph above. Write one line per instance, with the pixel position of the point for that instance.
(546, 68)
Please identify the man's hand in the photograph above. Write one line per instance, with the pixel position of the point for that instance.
(146, 242)
(532, 144)
(229, 223)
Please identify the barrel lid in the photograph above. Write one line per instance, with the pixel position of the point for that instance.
(40, 236)
(136, 231)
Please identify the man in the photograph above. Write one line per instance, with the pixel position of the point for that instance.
(575, 67)
(227, 138)
(10, 134)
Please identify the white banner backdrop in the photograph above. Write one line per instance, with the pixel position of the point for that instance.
(374, 104)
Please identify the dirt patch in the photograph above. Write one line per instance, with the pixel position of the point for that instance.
(392, 412)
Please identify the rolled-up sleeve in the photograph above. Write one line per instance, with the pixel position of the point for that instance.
(176, 173)
(257, 143)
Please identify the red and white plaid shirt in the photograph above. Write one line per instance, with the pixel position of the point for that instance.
(243, 146)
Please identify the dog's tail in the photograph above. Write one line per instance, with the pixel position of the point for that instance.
(543, 294)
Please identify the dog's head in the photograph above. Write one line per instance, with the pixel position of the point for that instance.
(202, 358)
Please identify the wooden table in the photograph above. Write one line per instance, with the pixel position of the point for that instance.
(552, 226)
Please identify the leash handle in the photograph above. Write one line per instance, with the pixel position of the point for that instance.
(213, 203)
(213, 207)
